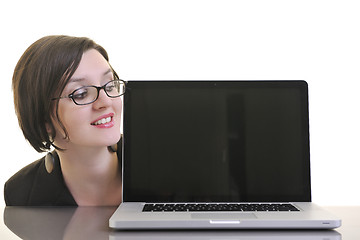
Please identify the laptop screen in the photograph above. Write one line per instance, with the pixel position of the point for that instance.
(216, 141)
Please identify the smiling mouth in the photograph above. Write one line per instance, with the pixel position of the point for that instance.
(102, 121)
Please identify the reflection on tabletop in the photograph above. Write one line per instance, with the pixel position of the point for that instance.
(59, 223)
(92, 223)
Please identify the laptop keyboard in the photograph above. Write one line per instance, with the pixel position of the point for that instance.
(216, 207)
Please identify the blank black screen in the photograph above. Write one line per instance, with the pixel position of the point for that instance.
(216, 141)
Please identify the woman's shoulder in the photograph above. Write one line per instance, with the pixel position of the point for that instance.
(35, 186)
(18, 187)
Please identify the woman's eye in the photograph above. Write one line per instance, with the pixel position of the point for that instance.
(80, 94)
(110, 88)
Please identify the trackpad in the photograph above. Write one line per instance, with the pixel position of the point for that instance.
(223, 216)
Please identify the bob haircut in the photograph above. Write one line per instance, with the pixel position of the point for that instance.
(41, 74)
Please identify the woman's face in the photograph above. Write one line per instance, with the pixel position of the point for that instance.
(96, 124)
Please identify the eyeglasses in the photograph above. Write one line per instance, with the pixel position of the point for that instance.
(89, 94)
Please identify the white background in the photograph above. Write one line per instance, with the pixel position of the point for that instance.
(314, 40)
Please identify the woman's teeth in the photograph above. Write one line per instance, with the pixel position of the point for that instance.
(102, 121)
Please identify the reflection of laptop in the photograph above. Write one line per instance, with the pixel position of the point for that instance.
(217, 154)
(227, 235)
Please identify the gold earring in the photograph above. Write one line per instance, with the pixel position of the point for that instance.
(49, 162)
(113, 148)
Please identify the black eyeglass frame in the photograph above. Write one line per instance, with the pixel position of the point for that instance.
(71, 95)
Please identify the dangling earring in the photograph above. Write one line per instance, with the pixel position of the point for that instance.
(49, 162)
(113, 148)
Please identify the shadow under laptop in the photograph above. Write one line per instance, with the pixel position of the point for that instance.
(93, 223)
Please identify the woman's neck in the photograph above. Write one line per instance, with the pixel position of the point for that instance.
(92, 176)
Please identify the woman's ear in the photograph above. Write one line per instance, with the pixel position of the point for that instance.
(48, 128)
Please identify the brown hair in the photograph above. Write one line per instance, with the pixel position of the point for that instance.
(41, 74)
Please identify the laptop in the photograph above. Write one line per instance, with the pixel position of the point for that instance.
(217, 155)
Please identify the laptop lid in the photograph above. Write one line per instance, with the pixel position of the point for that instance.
(216, 141)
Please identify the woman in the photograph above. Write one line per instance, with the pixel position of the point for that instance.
(67, 97)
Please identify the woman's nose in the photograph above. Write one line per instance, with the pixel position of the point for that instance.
(103, 100)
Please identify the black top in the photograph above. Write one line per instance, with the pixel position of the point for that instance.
(34, 186)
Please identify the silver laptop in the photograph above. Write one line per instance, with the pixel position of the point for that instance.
(217, 155)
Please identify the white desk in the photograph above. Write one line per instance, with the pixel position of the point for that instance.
(92, 223)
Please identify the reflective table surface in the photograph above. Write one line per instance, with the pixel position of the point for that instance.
(92, 223)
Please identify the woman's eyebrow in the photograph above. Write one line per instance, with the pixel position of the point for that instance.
(108, 71)
(76, 80)
(83, 78)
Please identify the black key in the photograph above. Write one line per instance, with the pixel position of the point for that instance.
(218, 207)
